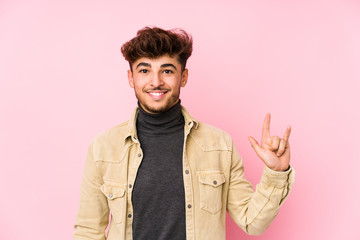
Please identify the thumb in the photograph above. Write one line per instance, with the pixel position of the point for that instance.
(255, 145)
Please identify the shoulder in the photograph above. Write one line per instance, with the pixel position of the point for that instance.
(113, 134)
(110, 144)
(211, 138)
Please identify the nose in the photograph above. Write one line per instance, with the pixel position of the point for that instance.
(156, 80)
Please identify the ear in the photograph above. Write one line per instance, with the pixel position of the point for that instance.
(131, 79)
(184, 77)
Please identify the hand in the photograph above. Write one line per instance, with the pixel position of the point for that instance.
(274, 151)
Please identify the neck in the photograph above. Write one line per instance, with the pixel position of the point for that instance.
(165, 122)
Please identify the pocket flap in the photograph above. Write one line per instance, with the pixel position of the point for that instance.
(214, 180)
(112, 191)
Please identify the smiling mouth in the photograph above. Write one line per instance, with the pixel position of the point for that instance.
(156, 94)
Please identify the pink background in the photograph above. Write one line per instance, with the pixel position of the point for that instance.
(63, 81)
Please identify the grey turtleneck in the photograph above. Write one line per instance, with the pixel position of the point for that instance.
(158, 196)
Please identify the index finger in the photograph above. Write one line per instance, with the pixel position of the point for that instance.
(266, 126)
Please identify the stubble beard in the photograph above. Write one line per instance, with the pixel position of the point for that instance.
(156, 110)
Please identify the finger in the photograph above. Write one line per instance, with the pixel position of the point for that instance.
(266, 127)
(281, 149)
(255, 145)
(275, 142)
(287, 134)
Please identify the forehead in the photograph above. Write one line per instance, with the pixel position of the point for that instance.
(157, 61)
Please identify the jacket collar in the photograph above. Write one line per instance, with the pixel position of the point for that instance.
(131, 126)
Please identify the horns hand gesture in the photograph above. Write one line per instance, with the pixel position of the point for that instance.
(273, 151)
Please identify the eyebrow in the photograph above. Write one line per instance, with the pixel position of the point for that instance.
(168, 65)
(162, 65)
(143, 64)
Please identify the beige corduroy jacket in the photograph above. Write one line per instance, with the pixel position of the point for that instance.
(214, 183)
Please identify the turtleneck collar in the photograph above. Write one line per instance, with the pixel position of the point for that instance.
(170, 121)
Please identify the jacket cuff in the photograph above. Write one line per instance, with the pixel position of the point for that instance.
(278, 179)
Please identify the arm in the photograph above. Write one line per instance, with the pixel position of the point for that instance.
(254, 211)
(93, 213)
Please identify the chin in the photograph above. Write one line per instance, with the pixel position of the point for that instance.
(154, 109)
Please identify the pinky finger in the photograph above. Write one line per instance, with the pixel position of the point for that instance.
(281, 148)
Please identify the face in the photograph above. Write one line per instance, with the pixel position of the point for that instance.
(157, 82)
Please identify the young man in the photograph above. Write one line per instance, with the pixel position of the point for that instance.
(163, 175)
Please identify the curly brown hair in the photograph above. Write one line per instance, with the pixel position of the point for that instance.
(156, 42)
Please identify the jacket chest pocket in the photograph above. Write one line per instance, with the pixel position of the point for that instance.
(115, 194)
(211, 191)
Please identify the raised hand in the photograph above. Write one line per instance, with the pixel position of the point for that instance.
(274, 151)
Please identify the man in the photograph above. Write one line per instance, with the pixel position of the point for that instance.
(164, 175)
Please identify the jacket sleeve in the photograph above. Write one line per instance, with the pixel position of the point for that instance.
(93, 213)
(254, 211)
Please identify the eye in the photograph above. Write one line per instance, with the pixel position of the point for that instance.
(143, 71)
(168, 71)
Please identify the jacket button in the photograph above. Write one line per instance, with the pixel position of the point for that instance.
(129, 216)
(189, 206)
(215, 182)
(130, 186)
(110, 195)
(187, 171)
(139, 155)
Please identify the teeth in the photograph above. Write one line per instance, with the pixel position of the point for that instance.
(157, 93)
